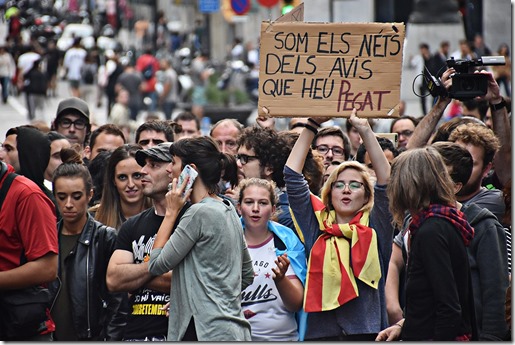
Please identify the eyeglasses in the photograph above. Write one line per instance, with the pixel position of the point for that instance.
(145, 142)
(337, 150)
(66, 123)
(407, 133)
(353, 185)
(244, 159)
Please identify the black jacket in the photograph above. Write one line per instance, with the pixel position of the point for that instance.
(97, 314)
(439, 301)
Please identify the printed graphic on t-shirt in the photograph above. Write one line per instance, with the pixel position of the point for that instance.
(149, 302)
(261, 302)
(141, 250)
(146, 301)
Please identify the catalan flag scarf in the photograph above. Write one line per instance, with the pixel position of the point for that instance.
(341, 253)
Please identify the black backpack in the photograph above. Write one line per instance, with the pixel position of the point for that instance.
(88, 74)
(35, 82)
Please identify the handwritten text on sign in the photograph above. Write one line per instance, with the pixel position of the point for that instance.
(318, 69)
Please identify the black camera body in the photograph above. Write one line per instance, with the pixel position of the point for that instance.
(465, 83)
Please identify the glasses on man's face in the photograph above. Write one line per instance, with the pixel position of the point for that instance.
(145, 142)
(406, 134)
(353, 185)
(244, 159)
(66, 123)
(337, 150)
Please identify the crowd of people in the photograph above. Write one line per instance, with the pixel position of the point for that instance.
(318, 232)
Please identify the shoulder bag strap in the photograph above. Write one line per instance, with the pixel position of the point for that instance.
(5, 187)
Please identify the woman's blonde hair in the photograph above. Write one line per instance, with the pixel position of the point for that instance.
(254, 181)
(418, 178)
(326, 191)
(269, 185)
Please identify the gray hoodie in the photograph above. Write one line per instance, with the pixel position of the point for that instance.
(488, 260)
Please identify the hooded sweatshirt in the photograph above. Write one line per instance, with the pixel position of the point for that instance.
(488, 260)
(33, 154)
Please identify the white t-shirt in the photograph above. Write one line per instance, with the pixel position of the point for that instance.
(73, 61)
(26, 61)
(261, 302)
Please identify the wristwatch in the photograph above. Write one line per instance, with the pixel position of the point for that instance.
(498, 106)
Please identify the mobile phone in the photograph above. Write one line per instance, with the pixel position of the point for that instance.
(390, 136)
(187, 172)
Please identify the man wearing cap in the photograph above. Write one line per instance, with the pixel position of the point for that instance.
(72, 120)
(128, 267)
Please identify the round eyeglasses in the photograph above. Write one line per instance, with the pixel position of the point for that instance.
(353, 185)
(337, 151)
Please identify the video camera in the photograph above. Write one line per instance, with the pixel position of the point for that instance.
(465, 83)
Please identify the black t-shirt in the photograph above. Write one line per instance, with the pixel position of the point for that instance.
(62, 311)
(137, 235)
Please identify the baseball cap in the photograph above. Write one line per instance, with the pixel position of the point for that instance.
(73, 105)
(159, 153)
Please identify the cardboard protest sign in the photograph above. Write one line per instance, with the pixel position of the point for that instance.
(326, 69)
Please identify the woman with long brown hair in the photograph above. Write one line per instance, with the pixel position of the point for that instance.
(122, 195)
(439, 302)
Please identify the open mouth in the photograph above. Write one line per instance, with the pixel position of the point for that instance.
(346, 201)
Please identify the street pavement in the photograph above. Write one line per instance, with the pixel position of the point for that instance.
(14, 112)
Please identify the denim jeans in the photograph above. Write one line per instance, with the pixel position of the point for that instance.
(5, 81)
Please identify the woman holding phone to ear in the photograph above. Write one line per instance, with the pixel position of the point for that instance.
(205, 250)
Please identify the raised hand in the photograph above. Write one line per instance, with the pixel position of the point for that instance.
(265, 122)
(361, 124)
(282, 263)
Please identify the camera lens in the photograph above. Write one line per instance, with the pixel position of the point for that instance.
(468, 84)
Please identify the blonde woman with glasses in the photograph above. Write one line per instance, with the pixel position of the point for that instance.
(348, 237)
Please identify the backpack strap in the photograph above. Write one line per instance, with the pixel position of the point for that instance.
(3, 193)
(5, 187)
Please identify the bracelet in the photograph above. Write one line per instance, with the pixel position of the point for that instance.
(313, 122)
(498, 106)
(308, 126)
(397, 324)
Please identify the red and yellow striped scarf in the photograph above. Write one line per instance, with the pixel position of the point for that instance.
(330, 280)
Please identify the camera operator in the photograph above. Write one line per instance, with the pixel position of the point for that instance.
(501, 127)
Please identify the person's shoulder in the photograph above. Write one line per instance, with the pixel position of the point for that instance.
(143, 216)
(25, 186)
(434, 225)
(210, 208)
(281, 230)
(102, 226)
(491, 199)
(474, 213)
